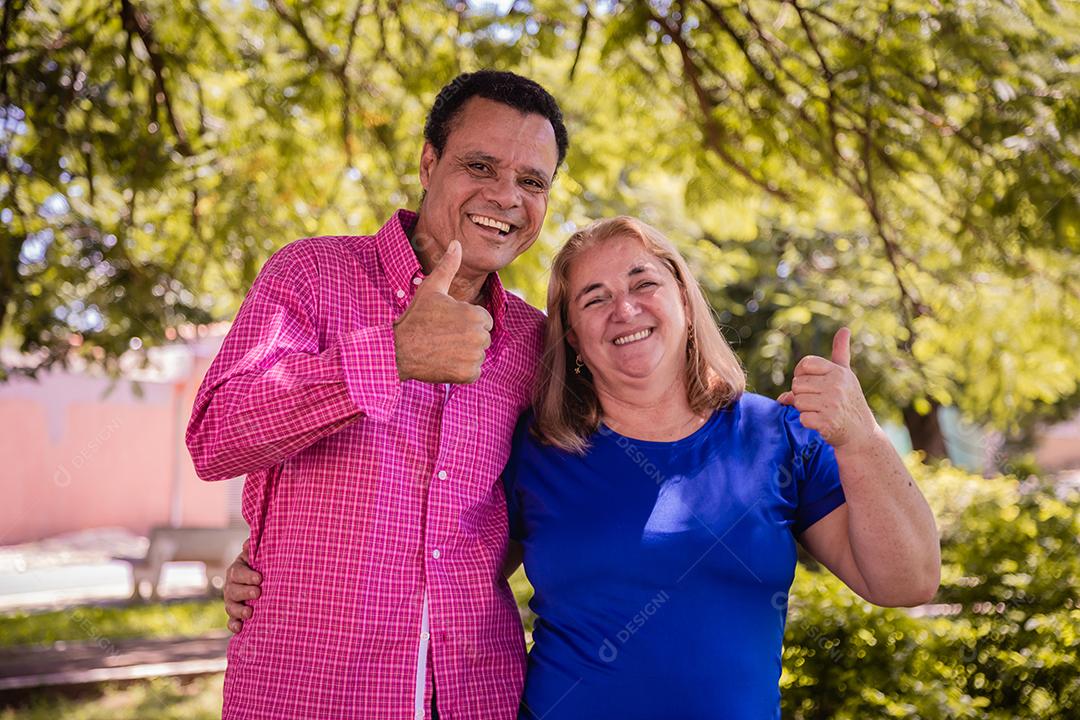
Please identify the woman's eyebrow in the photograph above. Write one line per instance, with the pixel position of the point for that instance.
(638, 269)
(588, 289)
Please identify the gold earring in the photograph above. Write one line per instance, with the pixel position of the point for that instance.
(578, 365)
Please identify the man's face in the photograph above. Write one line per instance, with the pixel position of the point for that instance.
(489, 188)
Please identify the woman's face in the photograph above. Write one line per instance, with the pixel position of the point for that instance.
(627, 315)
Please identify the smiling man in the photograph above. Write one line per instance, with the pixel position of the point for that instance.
(368, 389)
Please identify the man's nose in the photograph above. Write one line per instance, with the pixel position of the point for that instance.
(503, 192)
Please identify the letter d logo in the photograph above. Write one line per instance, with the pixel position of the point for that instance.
(608, 651)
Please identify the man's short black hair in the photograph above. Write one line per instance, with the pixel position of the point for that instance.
(507, 88)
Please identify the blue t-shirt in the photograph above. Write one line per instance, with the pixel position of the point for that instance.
(661, 569)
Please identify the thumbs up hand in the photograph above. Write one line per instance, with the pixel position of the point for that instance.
(829, 398)
(440, 339)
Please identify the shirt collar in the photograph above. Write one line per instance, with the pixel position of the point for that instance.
(403, 271)
(396, 256)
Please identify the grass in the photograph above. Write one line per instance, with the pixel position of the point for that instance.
(158, 699)
(161, 698)
(189, 618)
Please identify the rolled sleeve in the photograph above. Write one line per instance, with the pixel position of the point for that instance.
(369, 364)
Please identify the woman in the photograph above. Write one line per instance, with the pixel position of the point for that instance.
(658, 503)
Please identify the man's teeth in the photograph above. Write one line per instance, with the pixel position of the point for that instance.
(490, 222)
(640, 335)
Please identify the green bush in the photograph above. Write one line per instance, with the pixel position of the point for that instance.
(1004, 639)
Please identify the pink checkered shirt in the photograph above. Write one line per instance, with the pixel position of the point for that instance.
(365, 493)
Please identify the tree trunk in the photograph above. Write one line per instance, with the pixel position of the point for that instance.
(925, 432)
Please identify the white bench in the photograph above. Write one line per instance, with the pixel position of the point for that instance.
(214, 547)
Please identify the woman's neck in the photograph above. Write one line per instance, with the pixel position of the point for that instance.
(660, 416)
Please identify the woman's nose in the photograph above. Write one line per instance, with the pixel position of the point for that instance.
(625, 308)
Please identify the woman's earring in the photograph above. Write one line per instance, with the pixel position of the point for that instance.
(578, 365)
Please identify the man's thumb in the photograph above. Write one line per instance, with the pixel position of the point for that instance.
(841, 347)
(444, 272)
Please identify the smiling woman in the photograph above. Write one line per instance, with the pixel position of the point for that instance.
(642, 316)
(658, 504)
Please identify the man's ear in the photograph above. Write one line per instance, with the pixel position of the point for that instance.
(428, 159)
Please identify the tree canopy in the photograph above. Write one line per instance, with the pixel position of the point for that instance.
(910, 169)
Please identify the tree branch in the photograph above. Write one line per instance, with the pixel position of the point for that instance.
(714, 134)
(911, 307)
(136, 23)
(297, 24)
(582, 34)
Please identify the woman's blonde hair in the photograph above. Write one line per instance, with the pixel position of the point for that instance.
(566, 405)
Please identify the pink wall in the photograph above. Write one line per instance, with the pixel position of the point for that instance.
(202, 503)
(78, 452)
(1058, 447)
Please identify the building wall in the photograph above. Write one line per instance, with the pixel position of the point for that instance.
(1059, 446)
(79, 451)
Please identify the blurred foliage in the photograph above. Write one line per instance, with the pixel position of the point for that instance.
(907, 168)
(523, 592)
(1004, 642)
(91, 623)
(168, 698)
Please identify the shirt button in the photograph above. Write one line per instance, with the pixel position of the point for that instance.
(400, 294)
(420, 715)
(435, 553)
(442, 474)
(417, 280)
(425, 636)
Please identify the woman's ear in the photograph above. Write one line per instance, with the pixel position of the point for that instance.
(571, 340)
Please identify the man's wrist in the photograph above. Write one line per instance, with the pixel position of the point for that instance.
(403, 373)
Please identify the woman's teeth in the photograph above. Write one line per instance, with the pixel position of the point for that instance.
(640, 335)
(490, 222)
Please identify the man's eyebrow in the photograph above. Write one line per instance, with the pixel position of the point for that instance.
(588, 289)
(537, 172)
(477, 155)
(492, 160)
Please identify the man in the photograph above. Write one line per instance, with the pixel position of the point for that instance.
(368, 389)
